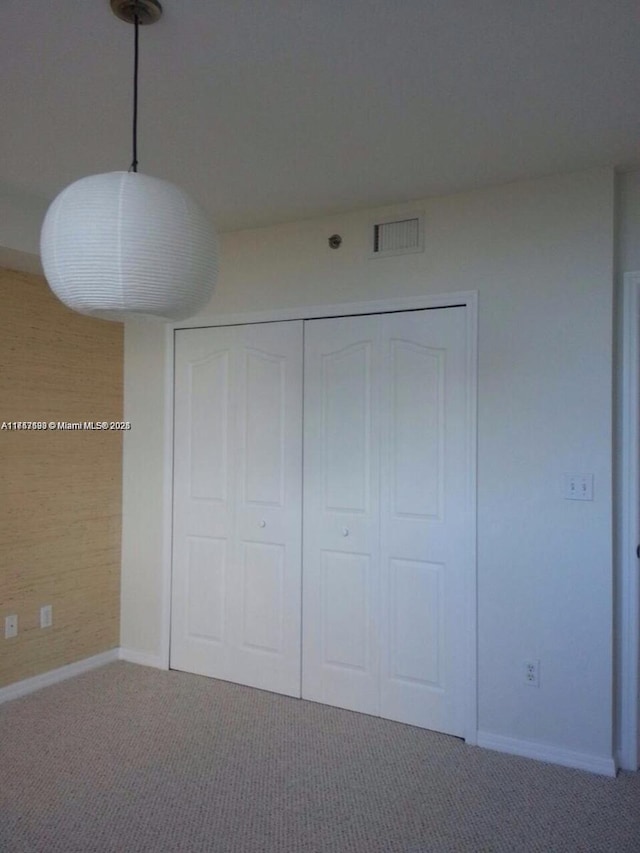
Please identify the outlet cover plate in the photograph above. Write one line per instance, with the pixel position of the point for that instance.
(46, 616)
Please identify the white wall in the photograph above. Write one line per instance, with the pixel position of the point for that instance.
(20, 221)
(142, 491)
(540, 254)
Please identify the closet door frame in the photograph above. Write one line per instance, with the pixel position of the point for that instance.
(466, 299)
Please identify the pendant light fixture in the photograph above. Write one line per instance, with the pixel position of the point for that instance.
(122, 244)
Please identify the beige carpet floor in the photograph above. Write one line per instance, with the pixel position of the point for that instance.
(127, 758)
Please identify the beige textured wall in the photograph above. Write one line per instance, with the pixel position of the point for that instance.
(60, 491)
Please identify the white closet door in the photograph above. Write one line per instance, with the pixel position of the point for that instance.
(425, 544)
(386, 522)
(341, 512)
(237, 504)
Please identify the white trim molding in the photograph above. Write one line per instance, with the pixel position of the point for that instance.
(339, 309)
(628, 597)
(143, 658)
(167, 498)
(46, 679)
(605, 766)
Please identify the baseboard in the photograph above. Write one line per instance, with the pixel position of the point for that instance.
(142, 658)
(30, 685)
(548, 753)
(625, 762)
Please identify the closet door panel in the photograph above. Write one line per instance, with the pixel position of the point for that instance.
(204, 497)
(341, 592)
(266, 599)
(237, 504)
(424, 539)
(386, 515)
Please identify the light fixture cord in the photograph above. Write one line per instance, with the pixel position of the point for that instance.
(134, 162)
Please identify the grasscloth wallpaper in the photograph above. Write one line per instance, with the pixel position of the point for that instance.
(60, 489)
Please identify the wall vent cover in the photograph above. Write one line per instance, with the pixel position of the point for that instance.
(397, 236)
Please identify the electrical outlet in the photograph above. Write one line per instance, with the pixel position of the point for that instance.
(46, 616)
(532, 672)
(10, 626)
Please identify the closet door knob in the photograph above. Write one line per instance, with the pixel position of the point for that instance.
(263, 524)
(345, 531)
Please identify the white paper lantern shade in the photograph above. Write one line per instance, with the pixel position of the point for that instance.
(123, 244)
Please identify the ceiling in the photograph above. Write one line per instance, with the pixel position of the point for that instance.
(273, 110)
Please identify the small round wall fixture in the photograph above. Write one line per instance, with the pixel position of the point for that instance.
(125, 244)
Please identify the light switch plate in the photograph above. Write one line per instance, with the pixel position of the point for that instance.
(578, 487)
